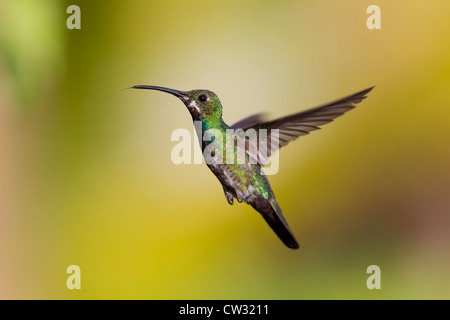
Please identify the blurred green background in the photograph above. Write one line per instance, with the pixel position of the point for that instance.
(86, 176)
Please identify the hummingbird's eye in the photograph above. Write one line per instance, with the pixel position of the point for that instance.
(202, 98)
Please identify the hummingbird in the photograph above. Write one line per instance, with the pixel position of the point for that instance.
(245, 181)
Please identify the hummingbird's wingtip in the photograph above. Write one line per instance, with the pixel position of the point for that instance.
(362, 94)
(369, 89)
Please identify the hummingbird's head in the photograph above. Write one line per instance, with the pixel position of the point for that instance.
(200, 103)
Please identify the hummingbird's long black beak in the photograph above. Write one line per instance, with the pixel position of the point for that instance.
(176, 93)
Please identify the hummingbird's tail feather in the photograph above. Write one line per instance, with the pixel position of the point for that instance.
(271, 212)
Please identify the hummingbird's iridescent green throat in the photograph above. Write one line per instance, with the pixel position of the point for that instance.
(245, 181)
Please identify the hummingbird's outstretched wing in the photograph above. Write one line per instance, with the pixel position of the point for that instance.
(250, 121)
(296, 125)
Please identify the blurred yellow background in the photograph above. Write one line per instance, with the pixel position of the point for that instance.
(86, 176)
